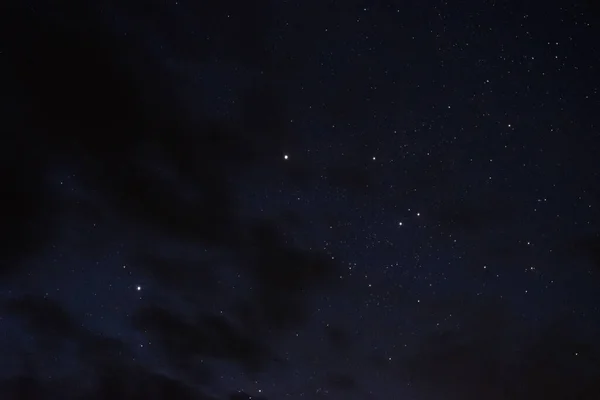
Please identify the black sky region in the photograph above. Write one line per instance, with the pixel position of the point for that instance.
(300, 200)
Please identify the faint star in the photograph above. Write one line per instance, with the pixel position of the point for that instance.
(139, 288)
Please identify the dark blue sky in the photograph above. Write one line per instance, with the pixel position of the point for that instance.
(300, 200)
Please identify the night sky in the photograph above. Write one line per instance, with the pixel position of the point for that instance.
(300, 200)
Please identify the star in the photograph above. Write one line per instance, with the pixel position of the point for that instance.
(285, 157)
(139, 288)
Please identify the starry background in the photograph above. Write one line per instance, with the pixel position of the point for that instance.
(300, 200)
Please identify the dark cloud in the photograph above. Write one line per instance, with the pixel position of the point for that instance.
(491, 357)
(244, 396)
(342, 382)
(135, 383)
(205, 337)
(42, 315)
(337, 338)
(92, 99)
(27, 213)
(283, 274)
(112, 383)
(26, 387)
